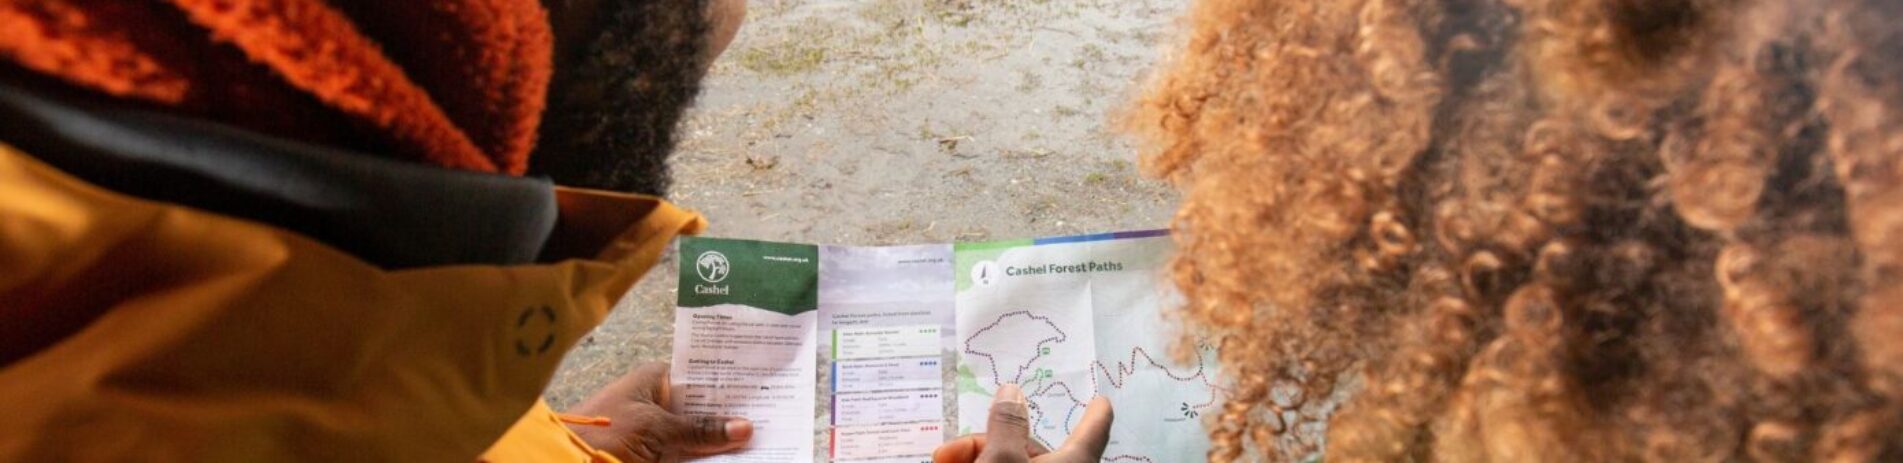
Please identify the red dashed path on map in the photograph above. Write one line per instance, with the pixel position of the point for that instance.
(1116, 377)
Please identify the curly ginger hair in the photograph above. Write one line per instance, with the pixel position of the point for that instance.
(1542, 230)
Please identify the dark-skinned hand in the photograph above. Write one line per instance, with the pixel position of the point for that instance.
(640, 428)
(1008, 435)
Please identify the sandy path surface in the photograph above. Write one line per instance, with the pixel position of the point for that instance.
(869, 122)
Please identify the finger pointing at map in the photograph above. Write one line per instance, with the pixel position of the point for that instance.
(1009, 438)
(1092, 435)
(1010, 431)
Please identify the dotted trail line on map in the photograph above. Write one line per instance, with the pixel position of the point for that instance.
(1116, 377)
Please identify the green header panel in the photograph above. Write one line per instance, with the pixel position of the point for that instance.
(780, 277)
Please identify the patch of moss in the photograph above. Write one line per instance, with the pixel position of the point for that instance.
(785, 58)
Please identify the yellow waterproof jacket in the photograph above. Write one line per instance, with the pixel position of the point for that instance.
(209, 338)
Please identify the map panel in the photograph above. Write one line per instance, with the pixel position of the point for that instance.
(1071, 318)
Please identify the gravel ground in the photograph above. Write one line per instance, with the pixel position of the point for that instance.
(871, 122)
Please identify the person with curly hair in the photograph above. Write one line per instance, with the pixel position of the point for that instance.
(1541, 230)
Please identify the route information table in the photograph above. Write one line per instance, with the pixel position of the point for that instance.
(876, 349)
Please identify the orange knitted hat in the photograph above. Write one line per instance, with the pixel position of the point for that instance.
(457, 83)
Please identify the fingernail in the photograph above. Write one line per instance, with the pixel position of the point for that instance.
(739, 430)
(1010, 393)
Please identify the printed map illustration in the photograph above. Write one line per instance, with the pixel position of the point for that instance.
(1071, 318)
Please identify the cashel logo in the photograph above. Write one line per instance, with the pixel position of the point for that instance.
(712, 266)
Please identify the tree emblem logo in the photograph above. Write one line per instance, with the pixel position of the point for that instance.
(712, 266)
